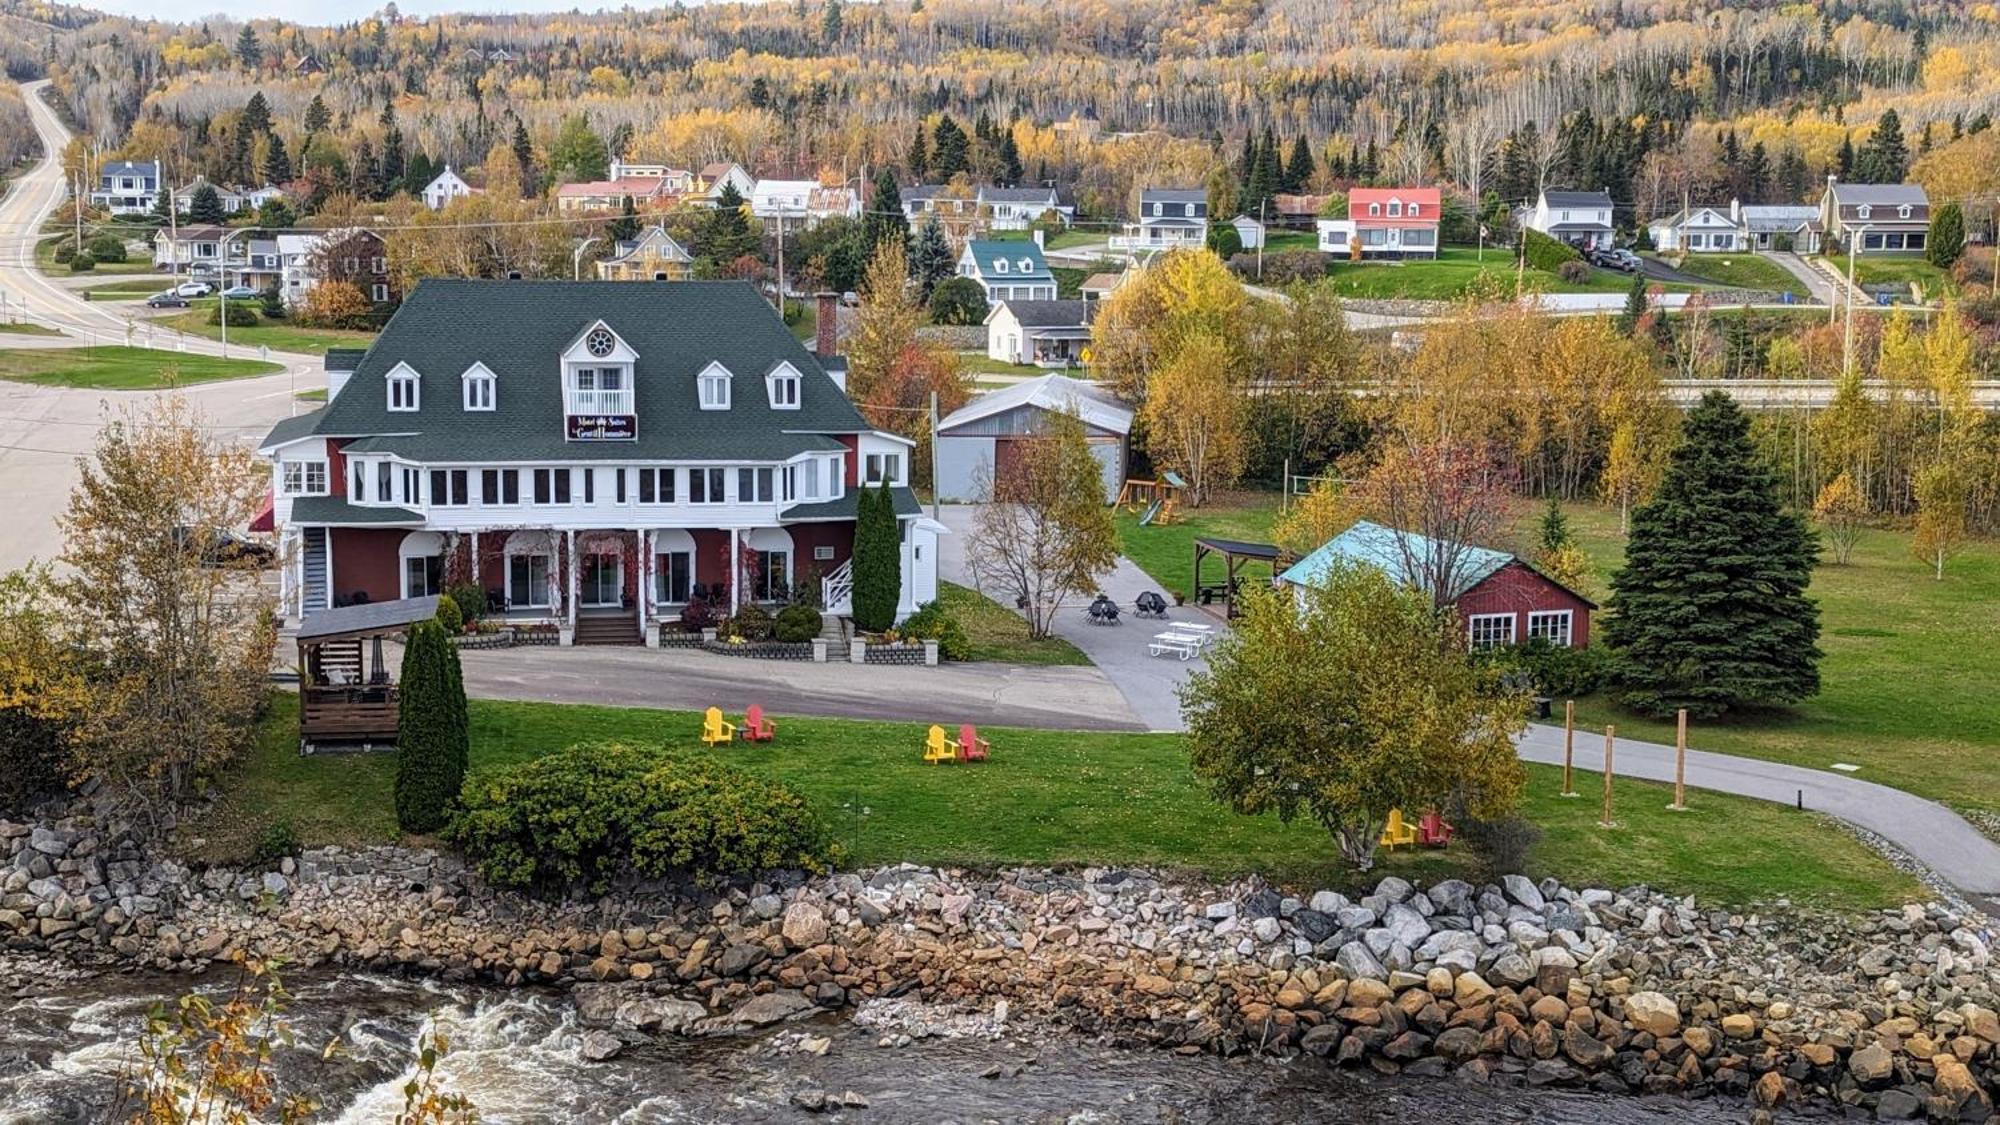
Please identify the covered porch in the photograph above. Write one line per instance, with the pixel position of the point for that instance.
(346, 694)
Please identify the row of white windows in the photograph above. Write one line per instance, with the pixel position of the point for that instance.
(818, 479)
(1493, 630)
(481, 389)
(673, 577)
(1187, 209)
(1396, 210)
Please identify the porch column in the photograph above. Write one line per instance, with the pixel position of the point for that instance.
(285, 575)
(735, 571)
(639, 576)
(569, 607)
(475, 560)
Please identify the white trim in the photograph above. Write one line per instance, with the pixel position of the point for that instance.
(784, 374)
(414, 546)
(717, 372)
(401, 373)
(1567, 636)
(1473, 621)
(475, 375)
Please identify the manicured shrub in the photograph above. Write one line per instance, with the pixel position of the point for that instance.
(594, 812)
(1545, 253)
(752, 622)
(470, 600)
(272, 303)
(449, 616)
(1556, 671)
(1574, 272)
(878, 561)
(698, 615)
(82, 263)
(796, 624)
(933, 622)
(431, 748)
(240, 316)
(1226, 241)
(107, 248)
(65, 252)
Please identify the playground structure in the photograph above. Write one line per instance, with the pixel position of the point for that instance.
(1154, 500)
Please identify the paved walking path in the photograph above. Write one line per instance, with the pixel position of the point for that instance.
(1823, 289)
(1148, 683)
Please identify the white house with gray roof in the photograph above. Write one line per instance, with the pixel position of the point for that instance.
(1043, 333)
(127, 187)
(1580, 218)
(595, 456)
(1169, 219)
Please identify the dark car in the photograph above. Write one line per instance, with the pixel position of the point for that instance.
(167, 300)
(227, 548)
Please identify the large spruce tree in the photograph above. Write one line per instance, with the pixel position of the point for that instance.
(878, 566)
(431, 743)
(1710, 610)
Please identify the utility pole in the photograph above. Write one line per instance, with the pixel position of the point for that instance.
(1847, 343)
(1263, 236)
(76, 209)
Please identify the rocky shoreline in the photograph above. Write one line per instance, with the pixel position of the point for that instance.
(1893, 1014)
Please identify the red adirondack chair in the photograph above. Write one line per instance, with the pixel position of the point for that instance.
(1432, 831)
(972, 747)
(757, 728)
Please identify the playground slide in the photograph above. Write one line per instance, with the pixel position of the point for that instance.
(1150, 513)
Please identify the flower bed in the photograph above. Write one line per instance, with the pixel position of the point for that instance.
(762, 650)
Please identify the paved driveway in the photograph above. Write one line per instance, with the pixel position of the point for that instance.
(1148, 683)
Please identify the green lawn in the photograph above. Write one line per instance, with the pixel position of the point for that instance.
(1061, 240)
(1001, 635)
(1166, 551)
(45, 260)
(317, 394)
(120, 368)
(1900, 271)
(1907, 683)
(1066, 798)
(1453, 271)
(1741, 271)
(277, 335)
(25, 328)
(979, 363)
(128, 290)
(1278, 242)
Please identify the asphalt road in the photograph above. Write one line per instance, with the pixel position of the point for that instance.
(44, 429)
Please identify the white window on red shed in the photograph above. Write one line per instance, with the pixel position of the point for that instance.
(1490, 630)
(1551, 625)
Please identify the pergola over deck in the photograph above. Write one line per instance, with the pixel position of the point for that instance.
(344, 692)
(1235, 553)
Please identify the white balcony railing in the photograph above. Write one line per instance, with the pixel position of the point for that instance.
(579, 403)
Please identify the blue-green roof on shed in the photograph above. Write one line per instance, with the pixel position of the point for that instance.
(1390, 551)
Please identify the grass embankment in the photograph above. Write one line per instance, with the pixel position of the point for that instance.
(999, 634)
(1455, 270)
(1906, 686)
(1740, 271)
(1904, 271)
(24, 328)
(45, 260)
(121, 368)
(1064, 798)
(132, 290)
(277, 335)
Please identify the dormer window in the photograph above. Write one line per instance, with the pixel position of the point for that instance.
(402, 388)
(1000, 266)
(479, 387)
(1863, 210)
(714, 387)
(1374, 209)
(1411, 211)
(1157, 210)
(1903, 212)
(1027, 265)
(1188, 210)
(1395, 209)
(784, 384)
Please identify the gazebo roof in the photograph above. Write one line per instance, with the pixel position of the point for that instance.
(371, 619)
(1240, 548)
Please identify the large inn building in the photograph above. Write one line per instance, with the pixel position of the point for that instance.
(596, 450)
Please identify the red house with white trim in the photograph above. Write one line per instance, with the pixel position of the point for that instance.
(1390, 223)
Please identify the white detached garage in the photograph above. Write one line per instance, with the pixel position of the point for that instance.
(990, 433)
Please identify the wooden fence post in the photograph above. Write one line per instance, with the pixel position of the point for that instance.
(1610, 739)
(1569, 745)
(1680, 761)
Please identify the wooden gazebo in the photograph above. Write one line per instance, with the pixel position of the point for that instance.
(1235, 554)
(345, 692)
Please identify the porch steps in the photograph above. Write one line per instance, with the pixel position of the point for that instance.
(313, 576)
(607, 629)
(833, 630)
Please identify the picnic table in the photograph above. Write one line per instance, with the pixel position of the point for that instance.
(1184, 643)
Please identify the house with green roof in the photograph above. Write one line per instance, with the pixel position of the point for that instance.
(592, 454)
(1501, 599)
(1007, 270)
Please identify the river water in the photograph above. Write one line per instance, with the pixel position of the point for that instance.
(515, 1054)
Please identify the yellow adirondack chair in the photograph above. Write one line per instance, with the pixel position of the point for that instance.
(938, 748)
(714, 729)
(1397, 833)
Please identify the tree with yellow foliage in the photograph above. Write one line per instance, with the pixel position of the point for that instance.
(1181, 296)
(1314, 518)
(1941, 515)
(1840, 508)
(1194, 417)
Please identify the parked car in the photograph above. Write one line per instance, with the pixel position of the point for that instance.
(228, 548)
(1626, 260)
(194, 288)
(239, 293)
(171, 299)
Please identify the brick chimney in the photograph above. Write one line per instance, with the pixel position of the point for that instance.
(826, 325)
